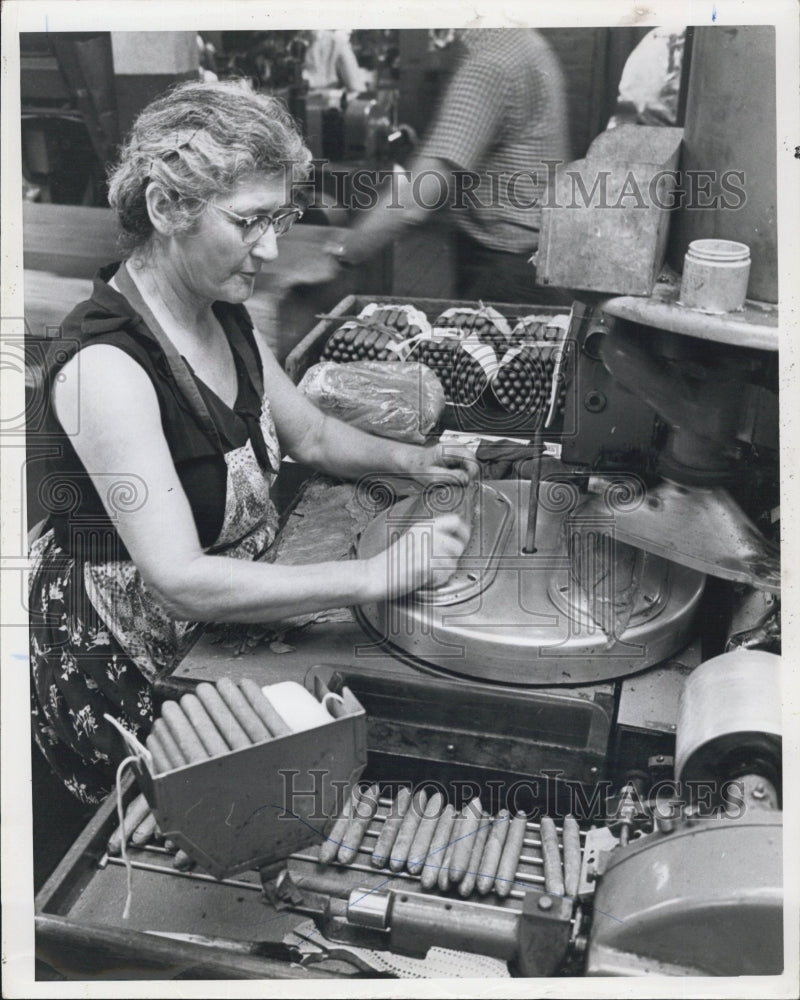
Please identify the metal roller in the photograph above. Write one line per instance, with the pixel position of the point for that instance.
(729, 715)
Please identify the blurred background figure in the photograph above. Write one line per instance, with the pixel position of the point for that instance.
(331, 62)
(650, 82)
(501, 119)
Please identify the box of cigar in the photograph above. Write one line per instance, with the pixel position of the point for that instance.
(240, 777)
(504, 368)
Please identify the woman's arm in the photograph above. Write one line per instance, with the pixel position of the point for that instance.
(119, 431)
(333, 446)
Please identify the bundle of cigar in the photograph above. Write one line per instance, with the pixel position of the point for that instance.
(468, 349)
(486, 324)
(524, 380)
(536, 329)
(462, 376)
(359, 340)
(465, 851)
(216, 719)
(376, 334)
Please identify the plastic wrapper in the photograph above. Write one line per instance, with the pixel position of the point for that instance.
(397, 400)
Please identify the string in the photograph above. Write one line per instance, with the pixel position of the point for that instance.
(133, 759)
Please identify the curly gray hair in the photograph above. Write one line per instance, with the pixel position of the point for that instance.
(196, 141)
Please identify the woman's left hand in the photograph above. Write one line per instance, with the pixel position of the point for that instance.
(444, 463)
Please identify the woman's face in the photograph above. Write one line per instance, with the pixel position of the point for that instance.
(213, 261)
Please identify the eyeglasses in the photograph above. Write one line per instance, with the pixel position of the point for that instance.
(253, 227)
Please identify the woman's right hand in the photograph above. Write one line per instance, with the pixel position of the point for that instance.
(426, 554)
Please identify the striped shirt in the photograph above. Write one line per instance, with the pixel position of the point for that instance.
(503, 114)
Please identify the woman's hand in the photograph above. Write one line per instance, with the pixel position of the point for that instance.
(447, 463)
(426, 554)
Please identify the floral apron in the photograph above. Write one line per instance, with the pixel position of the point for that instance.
(99, 638)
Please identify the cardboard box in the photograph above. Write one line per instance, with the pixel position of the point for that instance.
(250, 807)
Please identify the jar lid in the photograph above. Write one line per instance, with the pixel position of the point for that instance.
(719, 250)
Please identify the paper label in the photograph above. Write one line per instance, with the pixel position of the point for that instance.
(483, 354)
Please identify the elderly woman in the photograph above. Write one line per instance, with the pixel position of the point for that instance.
(171, 417)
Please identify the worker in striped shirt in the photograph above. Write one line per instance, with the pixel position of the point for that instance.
(499, 131)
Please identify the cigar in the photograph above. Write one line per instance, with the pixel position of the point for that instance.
(492, 852)
(467, 883)
(509, 860)
(571, 839)
(425, 831)
(382, 851)
(407, 831)
(439, 844)
(335, 838)
(463, 837)
(363, 813)
(553, 882)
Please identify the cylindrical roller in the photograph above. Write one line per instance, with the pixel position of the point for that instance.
(145, 831)
(161, 762)
(203, 725)
(438, 848)
(231, 731)
(492, 852)
(463, 836)
(509, 859)
(407, 831)
(467, 883)
(167, 740)
(335, 838)
(363, 813)
(382, 851)
(730, 705)
(571, 840)
(424, 834)
(553, 880)
(262, 708)
(245, 715)
(180, 727)
(134, 814)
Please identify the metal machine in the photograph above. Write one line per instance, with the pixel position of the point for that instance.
(604, 652)
(681, 863)
(623, 675)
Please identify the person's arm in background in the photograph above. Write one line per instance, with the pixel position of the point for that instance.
(407, 199)
(468, 120)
